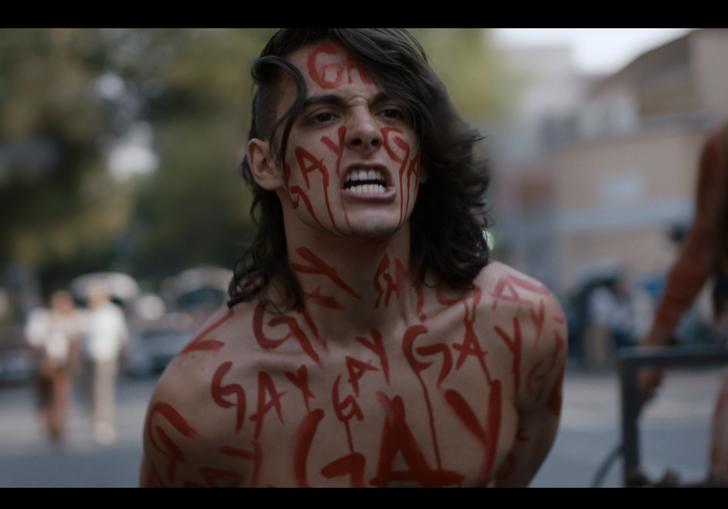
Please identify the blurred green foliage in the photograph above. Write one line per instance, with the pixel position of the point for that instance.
(66, 96)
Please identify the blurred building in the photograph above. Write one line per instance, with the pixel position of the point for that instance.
(603, 178)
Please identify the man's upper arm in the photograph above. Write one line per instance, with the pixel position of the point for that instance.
(540, 396)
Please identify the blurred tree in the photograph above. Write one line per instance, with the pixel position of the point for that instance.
(69, 99)
(469, 64)
(54, 199)
(194, 209)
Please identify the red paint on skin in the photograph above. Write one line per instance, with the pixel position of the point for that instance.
(152, 479)
(300, 380)
(338, 149)
(318, 71)
(397, 285)
(352, 465)
(488, 436)
(471, 344)
(515, 345)
(412, 171)
(168, 448)
(376, 345)
(294, 331)
(505, 291)
(417, 366)
(219, 392)
(318, 266)
(303, 438)
(312, 325)
(535, 380)
(379, 274)
(200, 344)
(538, 320)
(555, 395)
(256, 456)
(357, 369)
(385, 131)
(325, 301)
(308, 163)
(398, 438)
(213, 475)
(341, 406)
(266, 387)
(560, 346)
(170, 451)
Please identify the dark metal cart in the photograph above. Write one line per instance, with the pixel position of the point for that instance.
(630, 360)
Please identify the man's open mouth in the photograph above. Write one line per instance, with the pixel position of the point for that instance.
(366, 181)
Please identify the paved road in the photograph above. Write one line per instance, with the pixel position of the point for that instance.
(674, 433)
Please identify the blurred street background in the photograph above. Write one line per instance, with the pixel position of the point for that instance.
(119, 160)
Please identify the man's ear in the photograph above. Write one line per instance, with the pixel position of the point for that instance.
(263, 166)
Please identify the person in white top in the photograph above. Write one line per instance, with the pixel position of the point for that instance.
(55, 334)
(106, 337)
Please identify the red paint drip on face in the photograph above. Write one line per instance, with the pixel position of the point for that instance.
(219, 392)
(515, 345)
(357, 369)
(417, 366)
(352, 465)
(488, 436)
(398, 438)
(308, 163)
(376, 345)
(268, 398)
(338, 150)
(200, 344)
(300, 380)
(303, 438)
(318, 266)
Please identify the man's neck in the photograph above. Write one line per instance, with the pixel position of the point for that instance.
(351, 286)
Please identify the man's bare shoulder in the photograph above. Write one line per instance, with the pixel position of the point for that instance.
(512, 296)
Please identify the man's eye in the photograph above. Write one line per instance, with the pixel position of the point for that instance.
(392, 113)
(322, 117)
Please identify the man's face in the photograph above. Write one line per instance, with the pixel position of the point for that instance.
(352, 164)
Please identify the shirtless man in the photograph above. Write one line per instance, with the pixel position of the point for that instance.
(703, 256)
(368, 340)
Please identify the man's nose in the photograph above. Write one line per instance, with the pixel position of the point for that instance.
(362, 133)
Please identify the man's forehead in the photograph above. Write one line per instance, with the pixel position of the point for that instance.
(327, 65)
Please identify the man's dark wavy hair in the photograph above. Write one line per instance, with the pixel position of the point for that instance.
(449, 217)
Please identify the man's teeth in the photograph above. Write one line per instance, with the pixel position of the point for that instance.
(366, 182)
(367, 188)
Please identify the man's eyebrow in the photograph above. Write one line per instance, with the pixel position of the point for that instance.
(336, 100)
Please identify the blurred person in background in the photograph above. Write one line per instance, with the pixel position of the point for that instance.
(703, 255)
(106, 339)
(368, 339)
(55, 333)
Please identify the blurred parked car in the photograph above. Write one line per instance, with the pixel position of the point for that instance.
(152, 349)
(18, 361)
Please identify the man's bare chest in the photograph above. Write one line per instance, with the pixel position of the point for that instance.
(427, 405)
